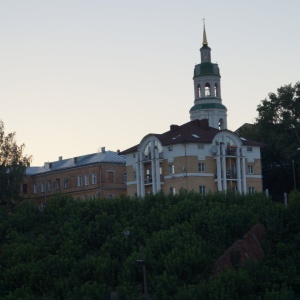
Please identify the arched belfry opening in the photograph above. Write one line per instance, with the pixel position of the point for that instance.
(217, 94)
(221, 124)
(207, 89)
(199, 90)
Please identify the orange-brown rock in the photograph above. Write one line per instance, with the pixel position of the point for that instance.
(249, 247)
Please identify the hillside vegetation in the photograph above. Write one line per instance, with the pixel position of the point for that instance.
(74, 249)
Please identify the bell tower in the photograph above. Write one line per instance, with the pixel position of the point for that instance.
(207, 90)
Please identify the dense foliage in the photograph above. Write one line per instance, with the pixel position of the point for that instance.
(278, 126)
(13, 165)
(75, 249)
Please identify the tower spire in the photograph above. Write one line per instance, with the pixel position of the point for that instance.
(204, 43)
(207, 90)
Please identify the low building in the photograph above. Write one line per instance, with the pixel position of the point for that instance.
(100, 174)
(193, 156)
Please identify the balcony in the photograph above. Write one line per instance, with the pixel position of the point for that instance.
(231, 150)
(149, 156)
(148, 180)
(229, 175)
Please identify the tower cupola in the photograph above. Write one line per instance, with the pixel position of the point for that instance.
(207, 90)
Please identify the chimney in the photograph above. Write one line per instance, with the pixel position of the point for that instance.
(46, 165)
(174, 127)
(60, 158)
(103, 149)
(75, 160)
(203, 123)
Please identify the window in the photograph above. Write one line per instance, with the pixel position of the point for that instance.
(250, 169)
(207, 89)
(134, 175)
(66, 183)
(125, 177)
(199, 90)
(24, 188)
(94, 178)
(148, 176)
(251, 189)
(34, 188)
(79, 180)
(43, 187)
(216, 90)
(200, 146)
(202, 189)
(110, 177)
(221, 124)
(57, 184)
(49, 185)
(172, 191)
(171, 169)
(201, 167)
(86, 179)
(110, 196)
(170, 148)
(249, 149)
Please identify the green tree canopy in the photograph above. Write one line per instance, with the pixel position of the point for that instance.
(278, 126)
(74, 250)
(13, 165)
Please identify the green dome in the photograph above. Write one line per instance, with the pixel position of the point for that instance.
(206, 69)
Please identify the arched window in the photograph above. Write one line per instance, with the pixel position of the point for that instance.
(207, 89)
(147, 150)
(221, 124)
(216, 90)
(151, 145)
(199, 90)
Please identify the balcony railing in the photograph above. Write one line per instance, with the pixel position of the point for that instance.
(148, 180)
(229, 175)
(149, 156)
(231, 150)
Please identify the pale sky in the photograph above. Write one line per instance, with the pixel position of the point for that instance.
(79, 75)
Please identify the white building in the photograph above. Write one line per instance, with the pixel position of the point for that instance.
(200, 155)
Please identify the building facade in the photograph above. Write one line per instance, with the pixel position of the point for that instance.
(98, 175)
(201, 155)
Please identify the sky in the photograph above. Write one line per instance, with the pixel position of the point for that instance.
(79, 75)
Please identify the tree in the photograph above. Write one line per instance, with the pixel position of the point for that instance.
(13, 165)
(278, 126)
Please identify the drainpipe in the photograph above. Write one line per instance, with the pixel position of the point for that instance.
(100, 180)
(45, 187)
(185, 171)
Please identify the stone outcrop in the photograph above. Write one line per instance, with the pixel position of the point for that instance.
(248, 248)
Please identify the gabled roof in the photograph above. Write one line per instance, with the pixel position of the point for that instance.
(79, 161)
(196, 131)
